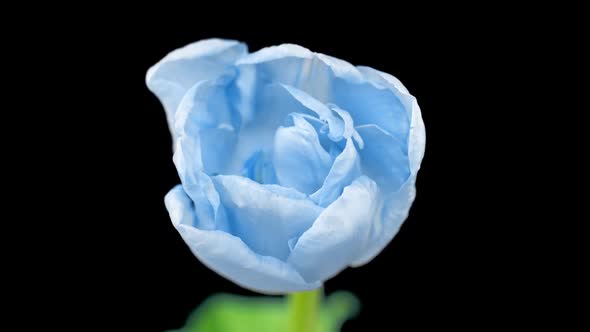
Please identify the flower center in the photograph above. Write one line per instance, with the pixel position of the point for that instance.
(258, 167)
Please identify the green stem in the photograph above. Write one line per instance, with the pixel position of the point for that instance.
(304, 311)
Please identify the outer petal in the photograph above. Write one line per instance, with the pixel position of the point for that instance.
(171, 77)
(205, 128)
(339, 234)
(417, 134)
(384, 158)
(378, 77)
(368, 104)
(265, 217)
(399, 202)
(229, 256)
(417, 139)
(385, 226)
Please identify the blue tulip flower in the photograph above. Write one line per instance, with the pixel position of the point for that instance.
(294, 164)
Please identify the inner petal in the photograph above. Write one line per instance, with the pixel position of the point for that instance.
(300, 160)
(271, 106)
(345, 169)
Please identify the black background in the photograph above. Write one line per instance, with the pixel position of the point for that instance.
(128, 268)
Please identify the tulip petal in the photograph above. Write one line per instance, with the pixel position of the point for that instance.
(336, 125)
(265, 217)
(177, 72)
(205, 127)
(384, 160)
(417, 139)
(230, 256)
(397, 203)
(300, 160)
(346, 168)
(340, 232)
(417, 132)
(384, 79)
(385, 226)
(348, 129)
(368, 104)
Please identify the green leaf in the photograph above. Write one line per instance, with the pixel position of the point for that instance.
(231, 313)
